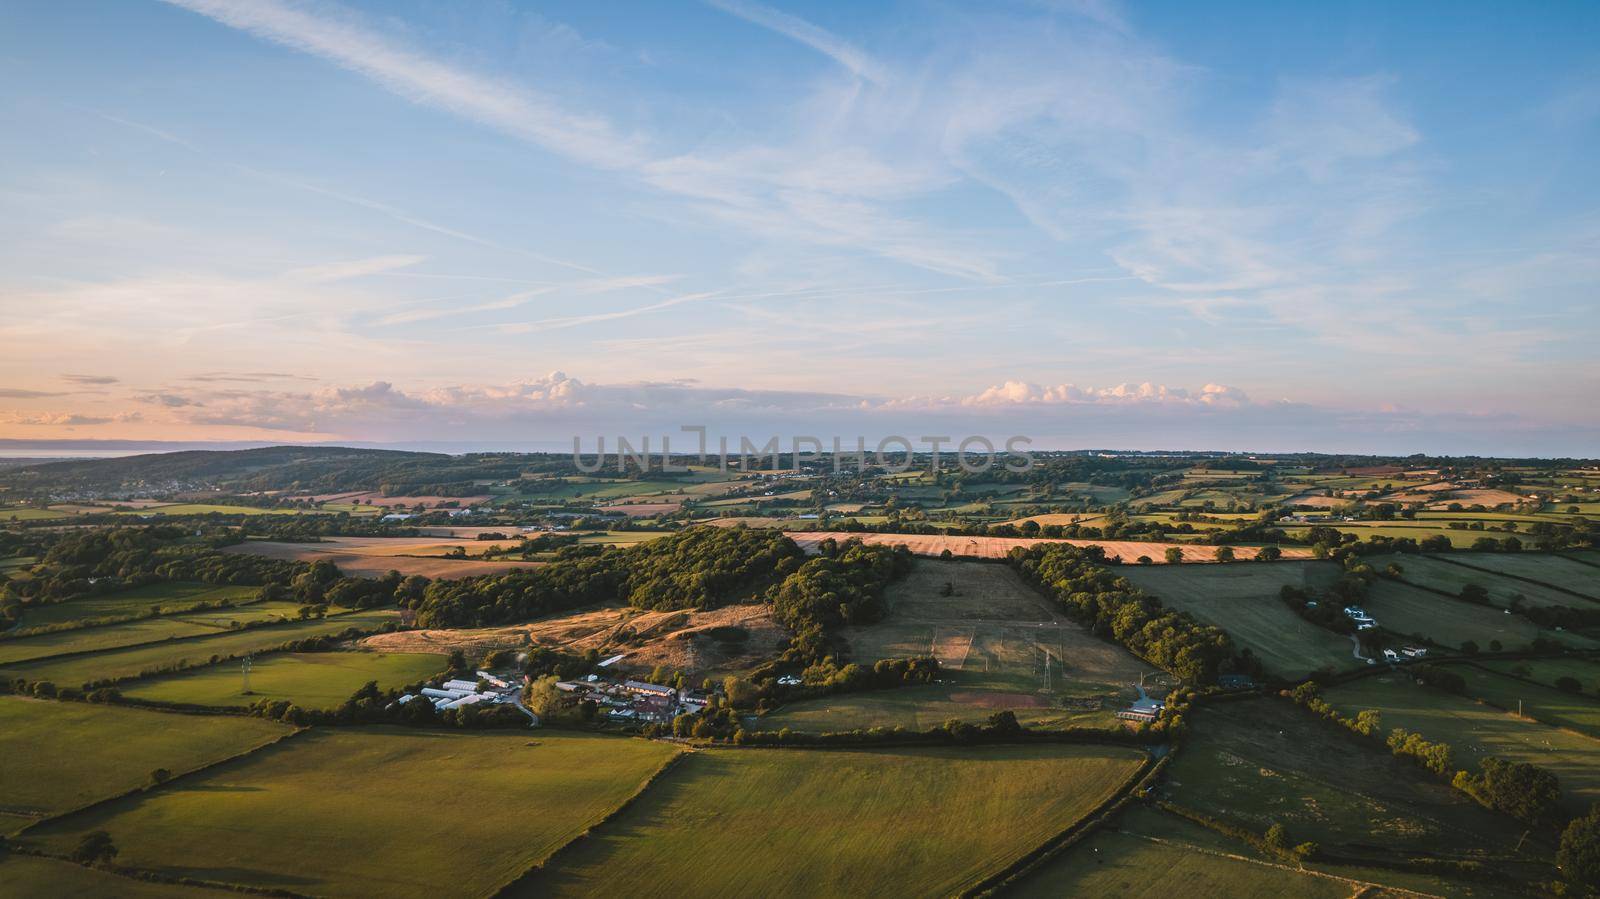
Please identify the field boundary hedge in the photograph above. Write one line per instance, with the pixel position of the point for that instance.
(247, 626)
(1517, 577)
(1079, 830)
(567, 848)
(151, 787)
(148, 876)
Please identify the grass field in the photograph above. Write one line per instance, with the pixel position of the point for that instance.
(1154, 854)
(1243, 600)
(168, 597)
(1546, 704)
(1542, 567)
(916, 822)
(145, 630)
(133, 660)
(998, 547)
(209, 508)
(313, 680)
(1475, 730)
(1439, 574)
(375, 811)
(990, 636)
(1546, 671)
(1404, 609)
(27, 877)
(63, 755)
(18, 513)
(1266, 761)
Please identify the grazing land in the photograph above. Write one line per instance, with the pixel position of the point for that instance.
(1243, 600)
(61, 756)
(1475, 730)
(312, 680)
(1267, 761)
(1547, 671)
(1448, 577)
(145, 630)
(916, 822)
(1545, 704)
(1539, 569)
(26, 876)
(1155, 854)
(168, 597)
(1404, 609)
(336, 812)
(133, 661)
(991, 634)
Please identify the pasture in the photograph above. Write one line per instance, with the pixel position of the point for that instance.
(1151, 853)
(313, 680)
(909, 822)
(991, 636)
(133, 661)
(29, 876)
(1266, 760)
(340, 812)
(1540, 703)
(1542, 568)
(63, 755)
(1475, 730)
(1438, 574)
(1403, 609)
(1546, 671)
(168, 597)
(205, 509)
(1243, 600)
(144, 630)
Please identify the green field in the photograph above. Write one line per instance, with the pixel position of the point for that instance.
(1546, 704)
(313, 680)
(1438, 574)
(774, 822)
(1266, 760)
(1541, 567)
(1475, 730)
(18, 513)
(62, 755)
(131, 661)
(168, 597)
(1546, 671)
(990, 636)
(144, 630)
(207, 509)
(1155, 854)
(1407, 610)
(375, 811)
(1242, 599)
(28, 877)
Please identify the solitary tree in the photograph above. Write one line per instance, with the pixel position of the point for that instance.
(94, 848)
(1224, 554)
(1174, 555)
(1579, 855)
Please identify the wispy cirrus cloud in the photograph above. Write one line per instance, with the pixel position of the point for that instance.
(418, 77)
(352, 268)
(90, 380)
(795, 28)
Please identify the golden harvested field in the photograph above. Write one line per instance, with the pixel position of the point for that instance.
(377, 556)
(998, 547)
(1313, 501)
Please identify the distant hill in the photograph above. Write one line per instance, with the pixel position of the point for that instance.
(318, 469)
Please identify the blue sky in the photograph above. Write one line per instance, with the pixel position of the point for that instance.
(1251, 226)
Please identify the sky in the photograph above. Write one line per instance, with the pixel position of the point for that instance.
(1363, 227)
